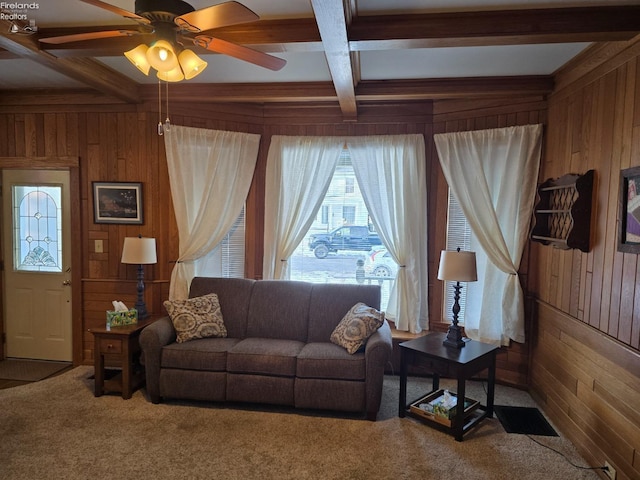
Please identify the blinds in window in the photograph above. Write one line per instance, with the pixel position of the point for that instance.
(227, 258)
(458, 236)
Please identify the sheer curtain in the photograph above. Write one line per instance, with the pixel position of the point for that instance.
(391, 173)
(493, 175)
(299, 170)
(210, 174)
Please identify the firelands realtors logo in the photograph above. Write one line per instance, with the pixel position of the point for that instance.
(13, 11)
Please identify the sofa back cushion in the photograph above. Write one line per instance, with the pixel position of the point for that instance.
(330, 302)
(279, 309)
(234, 295)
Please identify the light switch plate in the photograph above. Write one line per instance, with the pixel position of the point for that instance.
(98, 246)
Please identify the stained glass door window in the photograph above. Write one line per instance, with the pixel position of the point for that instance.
(37, 216)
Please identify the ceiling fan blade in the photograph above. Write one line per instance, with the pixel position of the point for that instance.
(240, 52)
(79, 37)
(118, 11)
(216, 16)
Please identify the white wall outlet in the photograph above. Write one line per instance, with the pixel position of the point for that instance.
(610, 471)
(98, 246)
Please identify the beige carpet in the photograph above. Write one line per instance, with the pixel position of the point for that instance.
(29, 370)
(57, 429)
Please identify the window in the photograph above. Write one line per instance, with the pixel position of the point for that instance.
(349, 185)
(38, 228)
(324, 211)
(331, 249)
(349, 214)
(227, 258)
(458, 236)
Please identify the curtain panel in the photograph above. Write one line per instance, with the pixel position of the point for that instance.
(210, 173)
(391, 172)
(493, 175)
(299, 171)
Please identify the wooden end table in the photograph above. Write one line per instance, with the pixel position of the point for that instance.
(460, 364)
(120, 344)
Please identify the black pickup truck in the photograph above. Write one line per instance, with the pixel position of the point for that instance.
(343, 238)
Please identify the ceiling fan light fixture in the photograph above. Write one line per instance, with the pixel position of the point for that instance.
(138, 56)
(174, 75)
(191, 64)
(162, 56)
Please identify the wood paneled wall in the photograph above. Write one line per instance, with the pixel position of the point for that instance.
(119, 143)
(585, 366)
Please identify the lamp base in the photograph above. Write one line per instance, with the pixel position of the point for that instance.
(454, 337)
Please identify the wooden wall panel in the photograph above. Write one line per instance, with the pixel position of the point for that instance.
(590, 387)
(585, 366)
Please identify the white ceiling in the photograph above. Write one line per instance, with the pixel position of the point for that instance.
(311, 66)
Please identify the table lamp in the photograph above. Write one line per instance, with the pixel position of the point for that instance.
(456, 266)
(139, 251)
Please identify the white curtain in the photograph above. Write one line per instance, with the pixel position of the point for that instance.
(299, 171)
(391, 172)
(493, 174)
(210, 173)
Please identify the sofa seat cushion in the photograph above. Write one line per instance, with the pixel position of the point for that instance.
(208, 354)
(329, 361)
(264, 356)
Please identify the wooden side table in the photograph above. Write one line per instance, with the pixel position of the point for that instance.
(120, 344)
(460, 364)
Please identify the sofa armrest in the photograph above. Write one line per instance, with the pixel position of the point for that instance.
(377, 353)
(152, 339)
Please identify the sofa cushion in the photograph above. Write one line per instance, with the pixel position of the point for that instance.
(279, 309)
(264, 356)
(198, 317)
(206, 354)
(329, 361)
(357, 326)
(233, 294)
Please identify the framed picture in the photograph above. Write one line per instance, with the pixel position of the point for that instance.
(117, 202)
(629, 211)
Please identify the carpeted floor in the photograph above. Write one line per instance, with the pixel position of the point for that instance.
(56, 428)
(29, 370)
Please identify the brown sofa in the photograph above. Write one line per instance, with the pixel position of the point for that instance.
(277, 349)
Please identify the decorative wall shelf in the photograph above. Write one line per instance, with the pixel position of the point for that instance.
(562, 214)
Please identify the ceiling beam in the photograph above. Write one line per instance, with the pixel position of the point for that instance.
(504, 27)
(332, 24)
(383, 90)
(85, 70)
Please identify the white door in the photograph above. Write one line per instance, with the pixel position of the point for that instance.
(37, 264)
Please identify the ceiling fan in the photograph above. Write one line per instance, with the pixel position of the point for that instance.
(173, 23)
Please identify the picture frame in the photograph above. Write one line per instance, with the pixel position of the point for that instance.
(118, 202)
(629, 211)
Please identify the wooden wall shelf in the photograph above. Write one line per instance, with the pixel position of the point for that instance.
(562, 215)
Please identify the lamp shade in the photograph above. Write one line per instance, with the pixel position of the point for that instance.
(457, 266)
(138, 56)
(139, 250)
(174, 75)
(191, 63)
(162, 56)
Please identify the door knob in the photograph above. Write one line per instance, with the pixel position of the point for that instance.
(66, 283)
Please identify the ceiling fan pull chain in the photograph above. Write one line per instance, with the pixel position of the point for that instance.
(160, 129)
(167, 123)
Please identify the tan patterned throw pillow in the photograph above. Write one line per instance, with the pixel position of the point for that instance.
(357, 326)
(198, 317)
